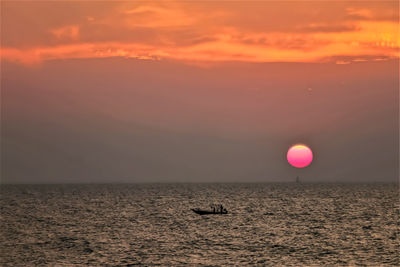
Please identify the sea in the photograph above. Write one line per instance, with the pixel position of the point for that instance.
(268, 224)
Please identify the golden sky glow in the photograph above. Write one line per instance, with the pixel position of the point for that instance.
(140, 91)
(201, 31)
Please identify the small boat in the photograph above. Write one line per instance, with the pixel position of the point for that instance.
(204, 212)
(215, 209)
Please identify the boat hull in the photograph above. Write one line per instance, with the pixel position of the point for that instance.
(207, 212)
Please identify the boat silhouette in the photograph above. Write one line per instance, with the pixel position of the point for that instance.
(215, 209)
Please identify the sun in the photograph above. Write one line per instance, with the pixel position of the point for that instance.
(299, 156)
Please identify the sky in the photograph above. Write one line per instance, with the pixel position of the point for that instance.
(198, 91)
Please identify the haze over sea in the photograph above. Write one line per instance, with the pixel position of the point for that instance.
(152, 224)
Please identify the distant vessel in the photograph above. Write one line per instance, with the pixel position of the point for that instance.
(215, 209)
(297, 180)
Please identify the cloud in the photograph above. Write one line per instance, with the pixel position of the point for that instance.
(386, 11)
(361, 13)
(156, 17)
(327, 28)
(66, 32)
(262, 32)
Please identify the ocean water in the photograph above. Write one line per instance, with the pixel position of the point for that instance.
(152, 224)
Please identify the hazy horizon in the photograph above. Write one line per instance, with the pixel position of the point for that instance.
(135, 92)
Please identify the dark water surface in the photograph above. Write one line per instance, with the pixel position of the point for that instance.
(152, 224)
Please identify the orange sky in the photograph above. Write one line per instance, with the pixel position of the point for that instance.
(106, 91)
(273, 31)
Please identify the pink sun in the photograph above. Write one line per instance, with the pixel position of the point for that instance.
(299, 156)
